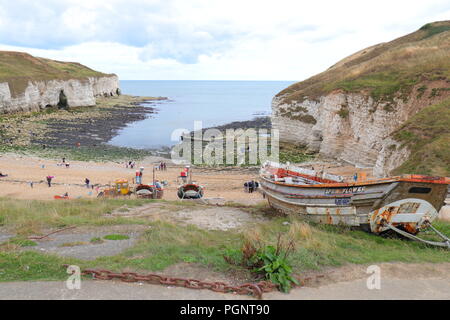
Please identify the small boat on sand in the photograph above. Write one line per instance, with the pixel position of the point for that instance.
(190, 191)
(405, 204)
(149, 191)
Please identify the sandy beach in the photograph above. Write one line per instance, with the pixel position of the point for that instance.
(225, 183)
(22, 169)
(220, 185)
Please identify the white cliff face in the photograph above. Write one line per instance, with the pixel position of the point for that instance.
(349, 127)
(40, 94)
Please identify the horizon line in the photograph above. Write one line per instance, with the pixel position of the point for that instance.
(203, 80)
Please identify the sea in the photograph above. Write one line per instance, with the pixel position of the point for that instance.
(211, 102)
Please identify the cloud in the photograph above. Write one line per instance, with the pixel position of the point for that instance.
(208, 39)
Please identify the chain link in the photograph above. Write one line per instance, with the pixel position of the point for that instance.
(255, 289)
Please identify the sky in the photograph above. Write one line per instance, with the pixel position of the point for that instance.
(208, 39)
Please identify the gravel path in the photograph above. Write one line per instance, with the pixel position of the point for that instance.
(77, 244)
(431, 288)
(210, 218)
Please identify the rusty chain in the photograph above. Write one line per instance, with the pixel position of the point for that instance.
(256, 289)
(45, 236)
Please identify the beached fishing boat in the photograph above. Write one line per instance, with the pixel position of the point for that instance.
(405, 204)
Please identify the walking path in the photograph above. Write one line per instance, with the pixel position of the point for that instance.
(391, 288)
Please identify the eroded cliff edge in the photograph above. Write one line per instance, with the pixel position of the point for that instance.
(29, 83)
(355, 109)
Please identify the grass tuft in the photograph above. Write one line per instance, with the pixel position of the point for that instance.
(116, 237)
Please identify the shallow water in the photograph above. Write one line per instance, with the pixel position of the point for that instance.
(212, 102)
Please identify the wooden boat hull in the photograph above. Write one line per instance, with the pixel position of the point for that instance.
(406, 203)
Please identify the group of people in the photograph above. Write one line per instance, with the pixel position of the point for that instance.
(64, 163)
(161, 167)
(130, 164)
(251, 186)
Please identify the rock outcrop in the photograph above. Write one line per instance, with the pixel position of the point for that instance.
(29, 83)
(351, 111)
(39, 95)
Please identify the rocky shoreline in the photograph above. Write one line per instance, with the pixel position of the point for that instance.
(260, 122)
(92, 131)
(80, 133)
(87, 126)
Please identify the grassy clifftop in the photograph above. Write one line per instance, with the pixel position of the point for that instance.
(385, 70)
(17, 68)
(427, 135)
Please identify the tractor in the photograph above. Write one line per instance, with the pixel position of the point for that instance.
(121, 188)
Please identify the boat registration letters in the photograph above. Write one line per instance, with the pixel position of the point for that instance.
(348, 190)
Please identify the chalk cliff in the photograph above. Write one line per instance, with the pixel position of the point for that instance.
(28, 83)
(353, 110)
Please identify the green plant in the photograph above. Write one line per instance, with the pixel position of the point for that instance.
(276, 268)
(421, 91)
(265, 259)
(343, 113)
(116, 237)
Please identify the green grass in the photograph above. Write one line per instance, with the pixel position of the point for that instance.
(427, 135)
(21, 242)
(92, 153)
(116, 237)
(30, 217)
(166, 244)
(382, 85)
(32, 265)
(384, 71)
(431, 29)
(17, 68)
(293, 154)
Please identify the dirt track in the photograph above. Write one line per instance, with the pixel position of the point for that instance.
(398, 281)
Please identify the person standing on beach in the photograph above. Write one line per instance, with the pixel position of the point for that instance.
(49, 181)
(251, 185)
(138, 181)
(86, 181)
